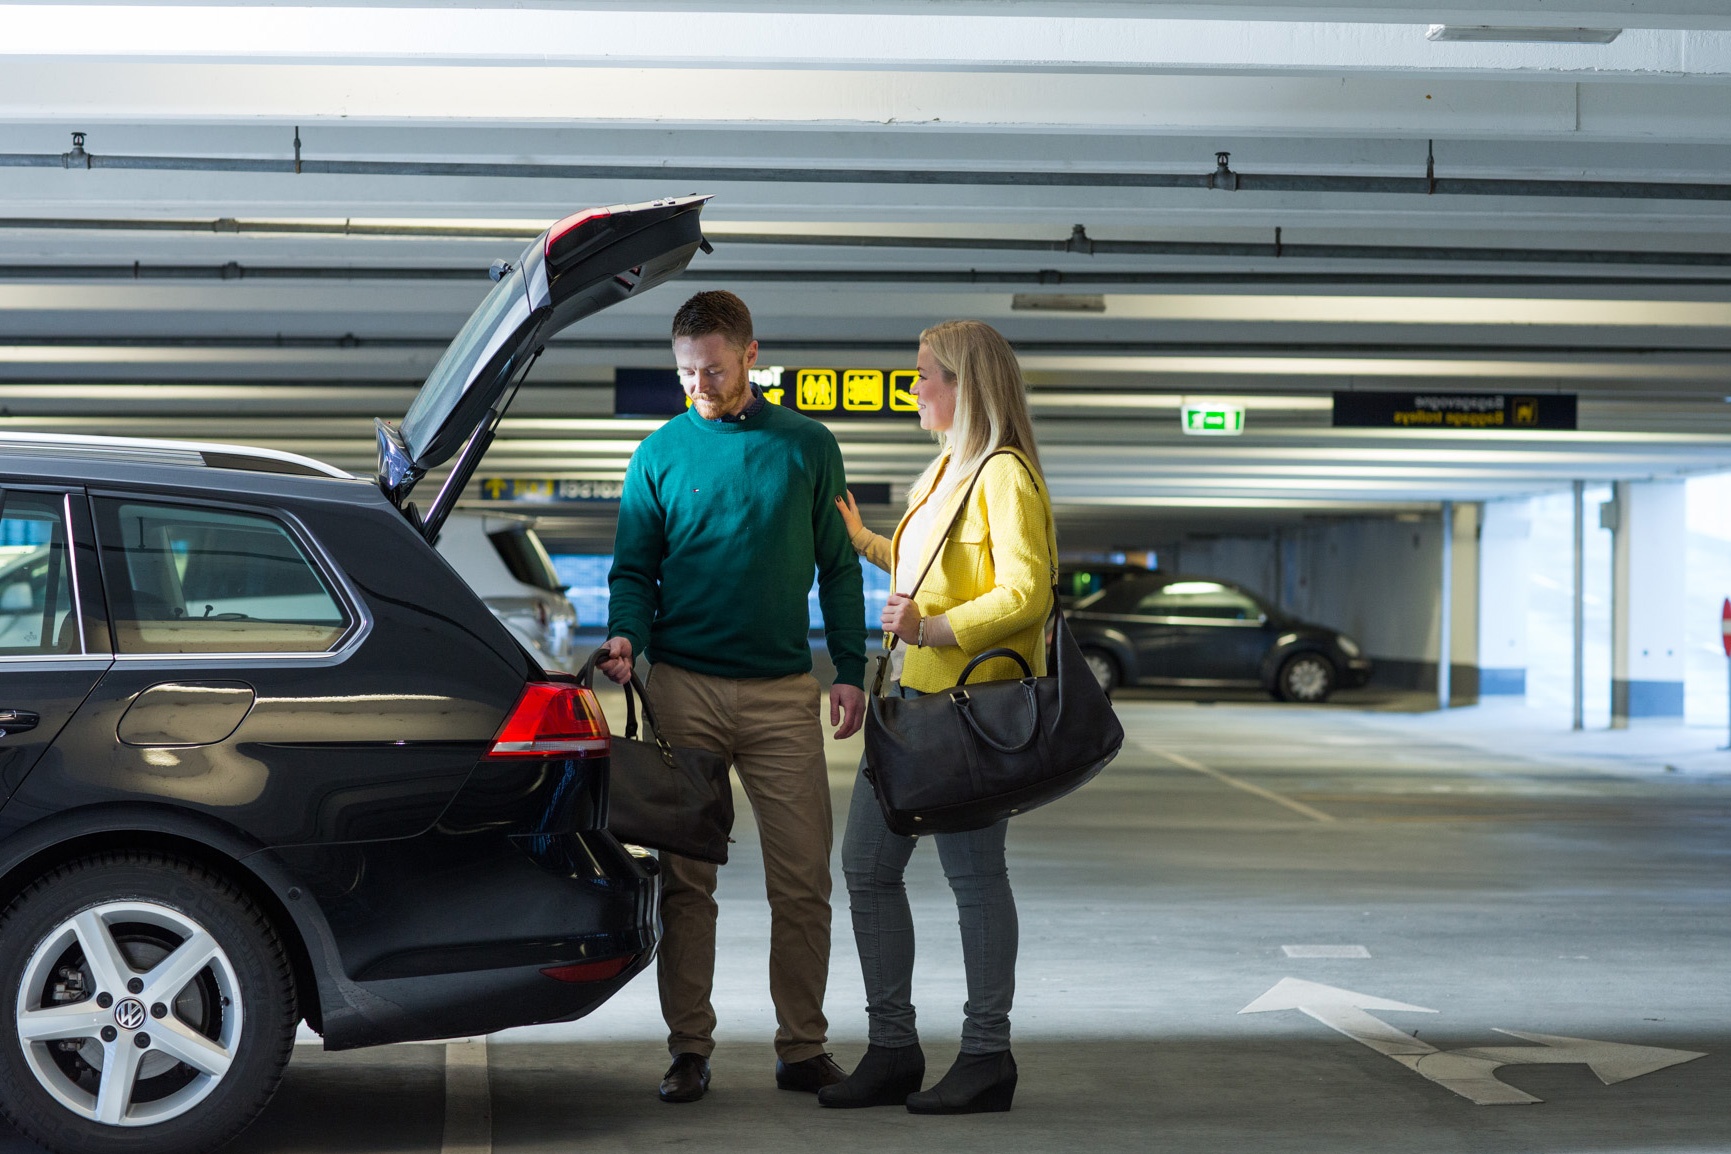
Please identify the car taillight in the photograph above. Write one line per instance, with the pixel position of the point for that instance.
(590, 971)
(552, 720)
(571, 224)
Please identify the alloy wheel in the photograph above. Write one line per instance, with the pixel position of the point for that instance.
(129, 1013)
(1308, 678)
(1103, 668)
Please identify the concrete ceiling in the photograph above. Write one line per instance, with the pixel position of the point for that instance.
(877, 167)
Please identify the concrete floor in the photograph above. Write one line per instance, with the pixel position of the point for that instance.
(1502, 875)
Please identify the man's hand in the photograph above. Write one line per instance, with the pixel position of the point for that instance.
(847, 705)
(617, 665)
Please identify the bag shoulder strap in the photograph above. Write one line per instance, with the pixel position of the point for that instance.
(890, 639)
(962, 507)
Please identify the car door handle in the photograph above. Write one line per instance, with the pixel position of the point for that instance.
(17, 721)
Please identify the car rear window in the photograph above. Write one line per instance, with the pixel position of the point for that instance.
(1198, 599)
(187, 579)
(524, 555)
(35, 586)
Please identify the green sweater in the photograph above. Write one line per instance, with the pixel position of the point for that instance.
(720, 528)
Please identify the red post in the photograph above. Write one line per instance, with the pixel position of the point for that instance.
(1725, 636)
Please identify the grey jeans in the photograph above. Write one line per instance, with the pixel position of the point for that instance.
(874, 860)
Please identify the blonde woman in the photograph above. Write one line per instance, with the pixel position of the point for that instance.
(990, 586)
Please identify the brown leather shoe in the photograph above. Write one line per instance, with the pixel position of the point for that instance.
(686, 1080)
(809, 1076)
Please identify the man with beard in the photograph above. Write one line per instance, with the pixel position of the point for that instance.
(727, 510)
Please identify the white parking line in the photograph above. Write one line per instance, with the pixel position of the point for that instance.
(1298, 807)
(468, 1099)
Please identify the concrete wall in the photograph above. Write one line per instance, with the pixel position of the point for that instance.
(1248, 561)
(1378, 579)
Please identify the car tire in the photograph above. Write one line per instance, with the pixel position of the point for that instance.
(1104, 667)
(1307, 678)
(155, 918)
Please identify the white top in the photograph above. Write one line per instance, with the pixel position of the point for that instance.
(916, 546)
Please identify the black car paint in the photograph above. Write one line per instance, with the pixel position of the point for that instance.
(1208, 653)
(420, 886)
(354, 793)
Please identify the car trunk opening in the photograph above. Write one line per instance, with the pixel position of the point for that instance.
(585, 263)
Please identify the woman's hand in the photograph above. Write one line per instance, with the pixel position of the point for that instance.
(849, 514)
(902, 617)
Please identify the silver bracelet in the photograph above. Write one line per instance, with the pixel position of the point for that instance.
(920, 641)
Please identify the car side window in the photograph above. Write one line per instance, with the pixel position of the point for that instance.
(185, 579)
(36, 608)
(1208, 599)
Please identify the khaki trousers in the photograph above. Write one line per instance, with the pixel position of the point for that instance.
(769, 728)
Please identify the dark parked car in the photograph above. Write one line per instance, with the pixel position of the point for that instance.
(265, 757)
(1196, 631)
(1081, 579)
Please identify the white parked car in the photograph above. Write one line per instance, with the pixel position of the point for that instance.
(504, 562)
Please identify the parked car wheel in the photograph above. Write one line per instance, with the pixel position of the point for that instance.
(151, 1007)
(1306, 677)
(1104, 667)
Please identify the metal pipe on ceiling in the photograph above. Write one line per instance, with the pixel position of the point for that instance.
(1222, 178)
(1110, 278)
(1078, 242)
(1416, 349)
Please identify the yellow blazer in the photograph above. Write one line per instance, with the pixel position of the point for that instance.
(993, 577)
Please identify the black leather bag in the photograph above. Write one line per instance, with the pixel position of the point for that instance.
(661, 797)
(966, 758)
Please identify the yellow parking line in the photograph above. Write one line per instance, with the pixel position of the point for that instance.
(1297, 807)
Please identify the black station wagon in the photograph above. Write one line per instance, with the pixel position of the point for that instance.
(265, 758)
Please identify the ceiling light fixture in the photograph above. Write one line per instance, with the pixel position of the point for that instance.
(1505, 34)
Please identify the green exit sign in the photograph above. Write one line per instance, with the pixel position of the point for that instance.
(1213, 420)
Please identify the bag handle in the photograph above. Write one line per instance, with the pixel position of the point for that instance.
(585, 678)
(890, 639)
(1027, 670)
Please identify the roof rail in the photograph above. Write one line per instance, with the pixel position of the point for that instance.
(163, 452)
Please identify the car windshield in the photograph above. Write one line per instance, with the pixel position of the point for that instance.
(454, 373)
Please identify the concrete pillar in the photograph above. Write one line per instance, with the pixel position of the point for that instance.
(1445, 616)
(1463, 593)
(1648, 545)
(1579, 645)
(1505, 580)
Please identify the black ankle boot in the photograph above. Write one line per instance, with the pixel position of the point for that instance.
(884, 1077)
(976, 1084)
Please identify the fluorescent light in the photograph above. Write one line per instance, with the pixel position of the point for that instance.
(1510, 34)
(1345, 367)
(1281, 308)
(1066, 399)
(1059, 302)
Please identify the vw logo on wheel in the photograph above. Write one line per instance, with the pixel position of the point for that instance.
(129, 1014)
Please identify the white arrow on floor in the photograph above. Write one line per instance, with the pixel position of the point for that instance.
(1469, 1072)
